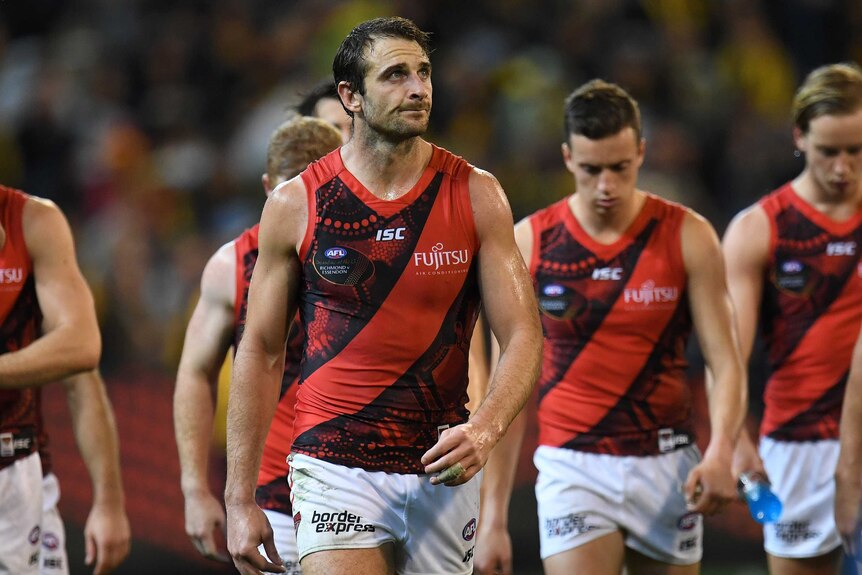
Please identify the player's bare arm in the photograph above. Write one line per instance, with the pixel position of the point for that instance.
(258, 369)
(510, 307)
(70, 342)
(207, 341)
(712, 313)
(107, 537)
(746, 252)
(848, 472)
(477, 376)
(494, 545)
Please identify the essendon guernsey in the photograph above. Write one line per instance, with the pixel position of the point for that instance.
(20, 318)
(272, 488)
(388, 303)
(616, 322)
(810, 316)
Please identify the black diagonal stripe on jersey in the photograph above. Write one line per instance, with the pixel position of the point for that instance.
(628, 409)
(566, 247)
(827, 288)
(354, 440)
(386, 273)
(823, 413)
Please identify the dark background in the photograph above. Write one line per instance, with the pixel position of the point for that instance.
(147, 122)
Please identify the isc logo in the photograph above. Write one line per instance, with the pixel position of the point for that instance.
(841, 249)
(608, 273)
(390, 234)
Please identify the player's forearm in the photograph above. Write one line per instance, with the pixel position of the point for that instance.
(512, 382)
(52, 357)
(96, 435)
(499, 478)
(253, 397)
(193, 423)
(849, 468)
(728, 405)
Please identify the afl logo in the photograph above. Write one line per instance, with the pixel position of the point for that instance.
(791, 267)
(469, 530)
(343, 266)
(688, 521)
(335, 253)
(793, 277)
(50, 541)
(559, 302)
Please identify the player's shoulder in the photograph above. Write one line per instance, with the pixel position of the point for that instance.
(750, 220)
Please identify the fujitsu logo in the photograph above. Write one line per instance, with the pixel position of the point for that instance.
(11, 275)
(648, 294)
(439, 257)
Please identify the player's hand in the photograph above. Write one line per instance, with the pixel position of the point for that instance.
(848, 514)
(204, 515)
(247, 529)
(458, 455)
(747, 460)
(710, 487)
(493, 555)
(107, 537)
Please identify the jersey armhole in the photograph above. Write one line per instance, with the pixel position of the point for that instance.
(311, 202)
(535, 249)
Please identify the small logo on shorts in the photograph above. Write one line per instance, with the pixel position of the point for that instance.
(296, 521)
(688, 544)
(469, 530)
(468, 556)
(688, 521)
(34, 535)
(571, 523)
(792, 532)
(343, 522)
(50, 541)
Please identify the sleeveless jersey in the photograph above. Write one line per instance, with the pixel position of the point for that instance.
(810, 316)
(20, 320)
(272, 489)
(388, 301)
(616, 321)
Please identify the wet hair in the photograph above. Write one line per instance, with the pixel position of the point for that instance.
(599, 109)
(350, 64)
(832, 90)
(296, 143)
(324, 89)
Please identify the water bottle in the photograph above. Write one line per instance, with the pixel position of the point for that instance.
(764, 505)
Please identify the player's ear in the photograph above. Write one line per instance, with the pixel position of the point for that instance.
(351, 100)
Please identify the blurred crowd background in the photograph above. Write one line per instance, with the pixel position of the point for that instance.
(147, 122)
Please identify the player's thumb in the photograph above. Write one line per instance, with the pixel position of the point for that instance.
(89, 549)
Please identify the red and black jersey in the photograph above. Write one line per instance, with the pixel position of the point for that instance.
(810, 316)
(21, 319)
(389, 298)
(616, 321)
(272, 488)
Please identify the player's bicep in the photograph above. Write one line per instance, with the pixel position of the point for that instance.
(63, 294)
(274, 287)
(746, 250)
(710, 303)
(210, 330)
(507, 293)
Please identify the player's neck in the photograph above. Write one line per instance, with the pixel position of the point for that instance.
(606, 226)
(388, 170)
(836, 204)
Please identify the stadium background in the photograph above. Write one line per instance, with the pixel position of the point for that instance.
(147, 122)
